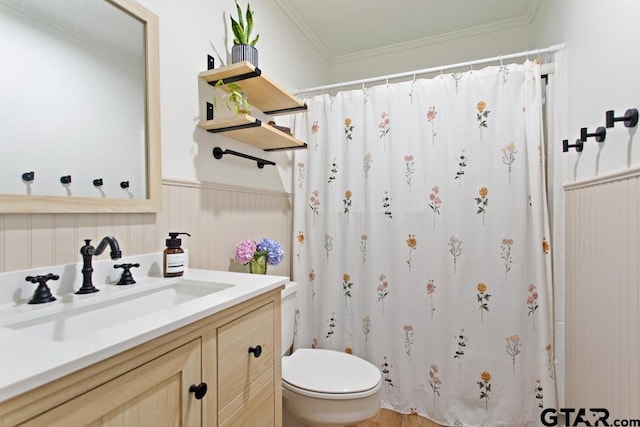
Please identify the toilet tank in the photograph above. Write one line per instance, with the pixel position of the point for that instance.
(288, 295)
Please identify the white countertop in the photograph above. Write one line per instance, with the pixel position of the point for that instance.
(28, 360)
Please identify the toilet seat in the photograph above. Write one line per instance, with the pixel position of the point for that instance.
(328, 374)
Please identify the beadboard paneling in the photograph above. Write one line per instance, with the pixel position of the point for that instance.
(216, 216)
(603, 295)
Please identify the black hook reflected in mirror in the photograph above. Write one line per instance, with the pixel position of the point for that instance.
(124, 185)
(66, 179)
(98, 182)
(28, 176)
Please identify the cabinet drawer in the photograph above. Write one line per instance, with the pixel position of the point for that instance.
(240, 373)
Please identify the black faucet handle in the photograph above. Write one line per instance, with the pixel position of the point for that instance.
(42, 293)
(127, 277)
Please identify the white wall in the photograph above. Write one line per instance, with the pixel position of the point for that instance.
(189, 30)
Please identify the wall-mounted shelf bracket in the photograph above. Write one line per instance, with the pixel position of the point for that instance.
(256, 123)
(249, 75)
(219, 152)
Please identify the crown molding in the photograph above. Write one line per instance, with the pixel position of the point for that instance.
(298, 22)
(413, 44)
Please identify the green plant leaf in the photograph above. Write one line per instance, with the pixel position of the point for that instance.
(239, 10)
(238, 32)
(249, 27)
(253, 43)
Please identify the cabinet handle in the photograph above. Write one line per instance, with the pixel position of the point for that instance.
(257, 351)
(199, 390)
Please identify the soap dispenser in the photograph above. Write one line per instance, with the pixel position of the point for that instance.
(174, 257)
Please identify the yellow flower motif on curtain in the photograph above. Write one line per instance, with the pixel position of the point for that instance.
(348, 130)
(509, 156)
(513, 349)
(411, 243)
(348, 350)
(346, 287)
(347, 203)
(483, 299)
(545, 246)
(485, 388)
(482, 202)
(300, 239)
(482, 116)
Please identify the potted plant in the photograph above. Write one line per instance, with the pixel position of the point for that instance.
(243, 46)
(236, 100)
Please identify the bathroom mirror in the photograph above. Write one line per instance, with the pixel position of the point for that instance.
(79, 110)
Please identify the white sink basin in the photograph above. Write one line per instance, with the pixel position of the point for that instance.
(77, 320)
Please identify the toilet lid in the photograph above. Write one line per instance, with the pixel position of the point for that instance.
(328, 371)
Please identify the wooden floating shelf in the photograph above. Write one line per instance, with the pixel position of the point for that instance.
(252, 131)
(263, 93)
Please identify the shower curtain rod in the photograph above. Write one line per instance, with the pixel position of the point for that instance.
(551, 49)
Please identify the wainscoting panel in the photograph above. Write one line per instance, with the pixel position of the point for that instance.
(216, 216)
(603, 294)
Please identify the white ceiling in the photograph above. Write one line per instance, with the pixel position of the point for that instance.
(343, 28)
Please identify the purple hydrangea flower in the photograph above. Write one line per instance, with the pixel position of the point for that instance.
(276, 253)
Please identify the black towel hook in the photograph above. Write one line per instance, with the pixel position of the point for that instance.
(630, 118)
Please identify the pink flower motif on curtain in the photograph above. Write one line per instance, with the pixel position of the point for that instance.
(348, 130)
(483, 299)
(435, 203)
(482, 202)
(363, 247)
(300, 239)
(408, 338)
(435, 383)
(347, 204)
(314, 131)
(366, 329)
(485, 388)
(311, 277)
(297, 318)
(461, 340)
(332, 325)
(382, 290)
(383, 128)
(314, 204)
(410, 169)
(431, 288)
(509, 156)
(482, 116)
(333, 171)
(455, 249)
(411, 243)
(532, 304)
(314, 343)
(346, 287)
(431, 116)
(462, 163)
(506, 255)
(386, 205)
(550, 369)
(386, 371)
(513, 349)
(301, 175)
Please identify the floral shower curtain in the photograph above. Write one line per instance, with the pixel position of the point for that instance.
(422, 242)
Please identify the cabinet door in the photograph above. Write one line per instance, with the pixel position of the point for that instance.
(154, 394)
(242, 375)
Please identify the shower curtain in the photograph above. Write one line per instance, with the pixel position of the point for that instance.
(421, 242)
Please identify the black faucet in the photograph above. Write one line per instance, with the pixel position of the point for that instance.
(87, 251)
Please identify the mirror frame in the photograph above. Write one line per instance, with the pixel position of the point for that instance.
(10, 203)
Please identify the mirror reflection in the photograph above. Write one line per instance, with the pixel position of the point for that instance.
(73, 104)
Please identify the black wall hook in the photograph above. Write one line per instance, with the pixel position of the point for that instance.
(66, 179)
(28, 176)
(98, 182)
(124, 185)
(579, 145)
(600, 134)
(630, 118)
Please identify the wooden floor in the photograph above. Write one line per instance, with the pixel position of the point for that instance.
(388, 418)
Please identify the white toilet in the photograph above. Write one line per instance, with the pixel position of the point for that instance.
(324, 387)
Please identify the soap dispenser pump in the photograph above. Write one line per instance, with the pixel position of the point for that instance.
(174, 257)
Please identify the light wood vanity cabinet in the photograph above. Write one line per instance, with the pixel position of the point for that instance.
(149, 385)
